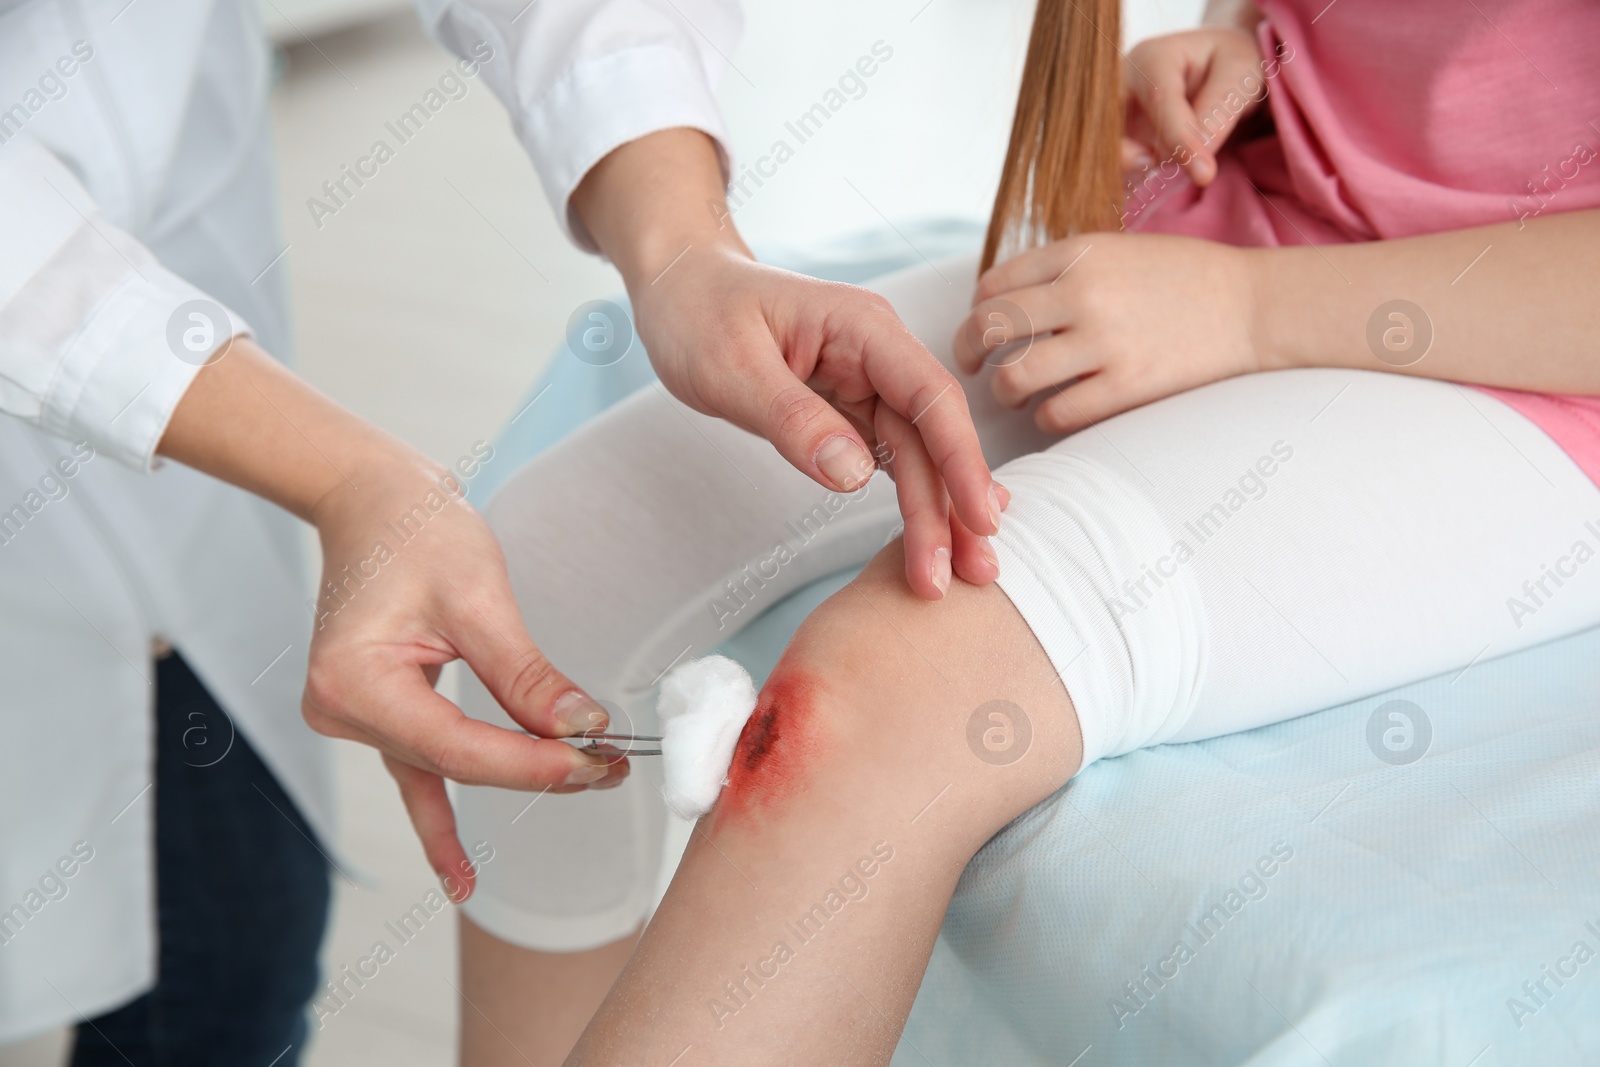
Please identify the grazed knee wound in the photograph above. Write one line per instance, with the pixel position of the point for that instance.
(704, 705)
(779, 742)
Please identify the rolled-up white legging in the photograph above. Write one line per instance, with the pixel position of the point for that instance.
(1241, 554)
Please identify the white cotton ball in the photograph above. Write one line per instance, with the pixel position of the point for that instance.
(703, 706)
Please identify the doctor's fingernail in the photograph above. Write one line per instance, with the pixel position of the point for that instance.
(579, 712)
(844, 463)
(987, 549)
(585, 773)
(1004, 494)
(994, 506)
(941, 568)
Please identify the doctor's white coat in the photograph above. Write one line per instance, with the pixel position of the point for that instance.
(136, 177)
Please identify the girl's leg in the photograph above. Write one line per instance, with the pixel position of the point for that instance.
(892, 740)
(645, 539)
(540, 1001)
(1237, 555)
(651, 536)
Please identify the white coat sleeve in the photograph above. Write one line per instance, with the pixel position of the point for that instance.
(84, 314)
(581, 77)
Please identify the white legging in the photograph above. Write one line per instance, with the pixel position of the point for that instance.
(1238, 555)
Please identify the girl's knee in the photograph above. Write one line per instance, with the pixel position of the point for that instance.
(887, 699)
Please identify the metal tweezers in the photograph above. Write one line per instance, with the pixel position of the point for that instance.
(594, 743)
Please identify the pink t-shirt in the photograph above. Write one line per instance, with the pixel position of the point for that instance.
(1398, 119)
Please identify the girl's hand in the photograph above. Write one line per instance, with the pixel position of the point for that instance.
(1100, 323)
(1185, 93)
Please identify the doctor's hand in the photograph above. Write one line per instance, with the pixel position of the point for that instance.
(412, 579)
(1099, 323)
(826, 372)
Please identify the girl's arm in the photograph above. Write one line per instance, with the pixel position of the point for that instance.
(1104, 322)
(1511, 305)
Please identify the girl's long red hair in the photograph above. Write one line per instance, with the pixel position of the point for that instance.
(1062, 170)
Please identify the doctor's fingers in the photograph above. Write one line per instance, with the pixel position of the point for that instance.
(916, 386)
(405, 719)
(937, 544)
(923, 505)
(484, 625)
(428, 805)
(972, 555)
(757, 391)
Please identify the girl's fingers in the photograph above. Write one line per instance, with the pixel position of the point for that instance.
(992, 325)
(1046, 270)
(1164, 95)
(1137, 127)
(1137, 156)
(1216, 118)
(1046, 362)
(1083, 404)
(1004, 331)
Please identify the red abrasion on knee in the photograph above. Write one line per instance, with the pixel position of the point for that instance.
(777, 746)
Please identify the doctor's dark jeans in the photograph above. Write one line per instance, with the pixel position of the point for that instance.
(242, 900)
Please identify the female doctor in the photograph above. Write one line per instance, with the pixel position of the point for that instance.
(167, 816)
